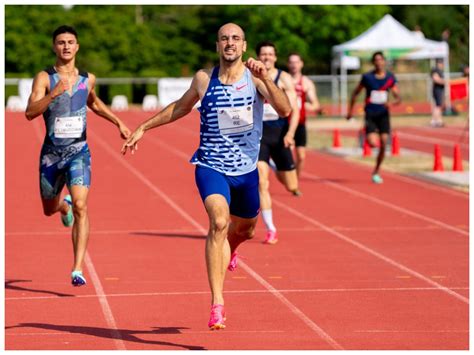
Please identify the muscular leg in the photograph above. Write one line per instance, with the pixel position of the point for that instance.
(289, 179)
(436, 118)
(80, 229)
(381, 155)
(264, 185)
(240, 230)
(52, 206)
(300, 159)
(266, 202)
(217, 245)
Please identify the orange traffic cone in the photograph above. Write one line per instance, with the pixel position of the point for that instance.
(395, 144)
(336, 142)
(457, 160)
(367, 151)
(438, 159)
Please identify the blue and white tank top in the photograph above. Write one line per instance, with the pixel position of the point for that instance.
(65, 117)
(231, 126)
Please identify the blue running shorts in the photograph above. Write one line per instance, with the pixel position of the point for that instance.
(241, 192)
(67, 166)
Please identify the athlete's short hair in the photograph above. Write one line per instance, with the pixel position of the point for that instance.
(295, 53)
(265, 44)
(376, 54)
(64, 29)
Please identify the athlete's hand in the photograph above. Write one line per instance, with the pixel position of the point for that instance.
(61, 86)
(289, 140)
(257, 68)
(132, 141)
(349, 117)
(124, 131)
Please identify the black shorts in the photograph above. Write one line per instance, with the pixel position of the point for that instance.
(272, 146)
(438, 96)
(377, 122)
(300, 136)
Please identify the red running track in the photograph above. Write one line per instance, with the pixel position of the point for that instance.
(423, 139)
(358, 266)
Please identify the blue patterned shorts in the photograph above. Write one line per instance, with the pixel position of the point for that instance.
(69, 166)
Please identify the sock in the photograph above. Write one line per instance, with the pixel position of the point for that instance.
(268, 220)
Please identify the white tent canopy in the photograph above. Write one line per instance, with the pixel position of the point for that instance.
(396, 42)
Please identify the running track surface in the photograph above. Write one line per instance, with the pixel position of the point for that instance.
(424, 138)
(358, 266)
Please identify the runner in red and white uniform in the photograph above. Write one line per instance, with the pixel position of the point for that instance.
(307, 101)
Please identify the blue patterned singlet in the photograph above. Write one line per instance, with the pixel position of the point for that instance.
(231, 126)
(65, 156)
(66, 105)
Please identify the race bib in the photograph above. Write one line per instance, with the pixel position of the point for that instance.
(235, 119)
(269, 113)
(68, 127)
(378, 97)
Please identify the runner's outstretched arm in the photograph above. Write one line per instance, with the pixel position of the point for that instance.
(170, 113)
(101, 109)
(290, 92)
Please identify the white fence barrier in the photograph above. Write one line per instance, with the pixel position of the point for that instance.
(119, 103)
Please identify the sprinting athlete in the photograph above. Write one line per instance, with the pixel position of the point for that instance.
(62, 94)
(277, 140)
(231, 96)
(378, 84)
(307, 101)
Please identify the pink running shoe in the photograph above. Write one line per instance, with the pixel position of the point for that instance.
(233, 262)
(271, 237)
(217, 319)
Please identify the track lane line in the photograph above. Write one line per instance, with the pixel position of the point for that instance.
(198, 293)
(413, 180)
(353, 242)
(370, 251)
(384, 203)
(312, 325)
(197, 234)
(416, 138)
(104, 304)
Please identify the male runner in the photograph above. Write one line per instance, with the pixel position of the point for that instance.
(378, 83)
(277, 140)
(437, 77)
(62, 93)
(226, 173)
(307, 101)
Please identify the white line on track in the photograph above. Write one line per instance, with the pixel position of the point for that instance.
(360, 245)
(104, 304)
(106, 310)
(181, 332)
(371, 251)
(449, 131)
(201, 229)
(410, 331)
(198, 293)
(408, 179)
(386, 204)
(442, 142)
(194, 232)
